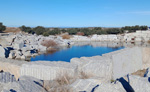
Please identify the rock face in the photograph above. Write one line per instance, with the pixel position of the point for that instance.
(48, 70)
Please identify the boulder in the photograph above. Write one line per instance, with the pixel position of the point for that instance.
(12, 55)
(23, 57)
(41, 48)
(18, 45)
(27, 54)
(18, 54)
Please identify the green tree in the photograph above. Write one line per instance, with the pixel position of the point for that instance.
(39, 30)
(2, 27)
(26, 29)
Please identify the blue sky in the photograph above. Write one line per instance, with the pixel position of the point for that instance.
(75, 13)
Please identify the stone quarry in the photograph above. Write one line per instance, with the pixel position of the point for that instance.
(111, 72)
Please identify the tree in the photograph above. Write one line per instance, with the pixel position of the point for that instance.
(2, 27)
(26, 29)
(39, 30)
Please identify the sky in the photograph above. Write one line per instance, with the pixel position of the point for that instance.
(75, 13)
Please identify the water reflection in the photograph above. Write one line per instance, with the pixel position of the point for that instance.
(87, 49)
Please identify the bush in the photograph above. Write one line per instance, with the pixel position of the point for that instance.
(48, 43)
(80, 33)
(2, 27)
(59, 85)
(148, 41)
(66, 36)
(39, 30)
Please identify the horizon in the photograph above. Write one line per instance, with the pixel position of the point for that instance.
(74, 13)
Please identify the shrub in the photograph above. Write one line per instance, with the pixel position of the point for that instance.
(59, 85)
(148, 41)
(2, 27)
(45, 34)
(66, 37)
(48, 43)
(80, 33)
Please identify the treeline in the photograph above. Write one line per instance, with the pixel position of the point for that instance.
(134, 28)
(39, 30)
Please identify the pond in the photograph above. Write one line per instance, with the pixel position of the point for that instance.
(75, 51)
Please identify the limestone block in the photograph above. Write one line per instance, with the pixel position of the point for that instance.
(86, 65)
(103, 68)
(139, 84)
(126, 61)
(48, 70)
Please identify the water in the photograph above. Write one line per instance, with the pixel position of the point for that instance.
(75, 51)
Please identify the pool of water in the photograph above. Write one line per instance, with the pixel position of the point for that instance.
(75, 51)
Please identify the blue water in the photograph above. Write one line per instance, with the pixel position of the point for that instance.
(74, 51)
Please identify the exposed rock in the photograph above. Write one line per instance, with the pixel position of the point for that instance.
(25, 84)
(12, 55)
(110, 87)
(139, 84)
(51, 85)
(48, 70)
(18, 45)
(84, 85)
(2, 50)
(6, 77)
(86, 65)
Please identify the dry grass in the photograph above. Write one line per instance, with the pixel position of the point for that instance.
(12, 29)
(140, 72)
(62, 82)
(148, 41)
(48, 43)
(66, 36)
(80, 33)
(59, 85)
(84, 76)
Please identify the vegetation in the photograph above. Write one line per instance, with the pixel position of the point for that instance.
(39, 30)
(2, 27)
(134, 28)
(66, 36)
(48, 43)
